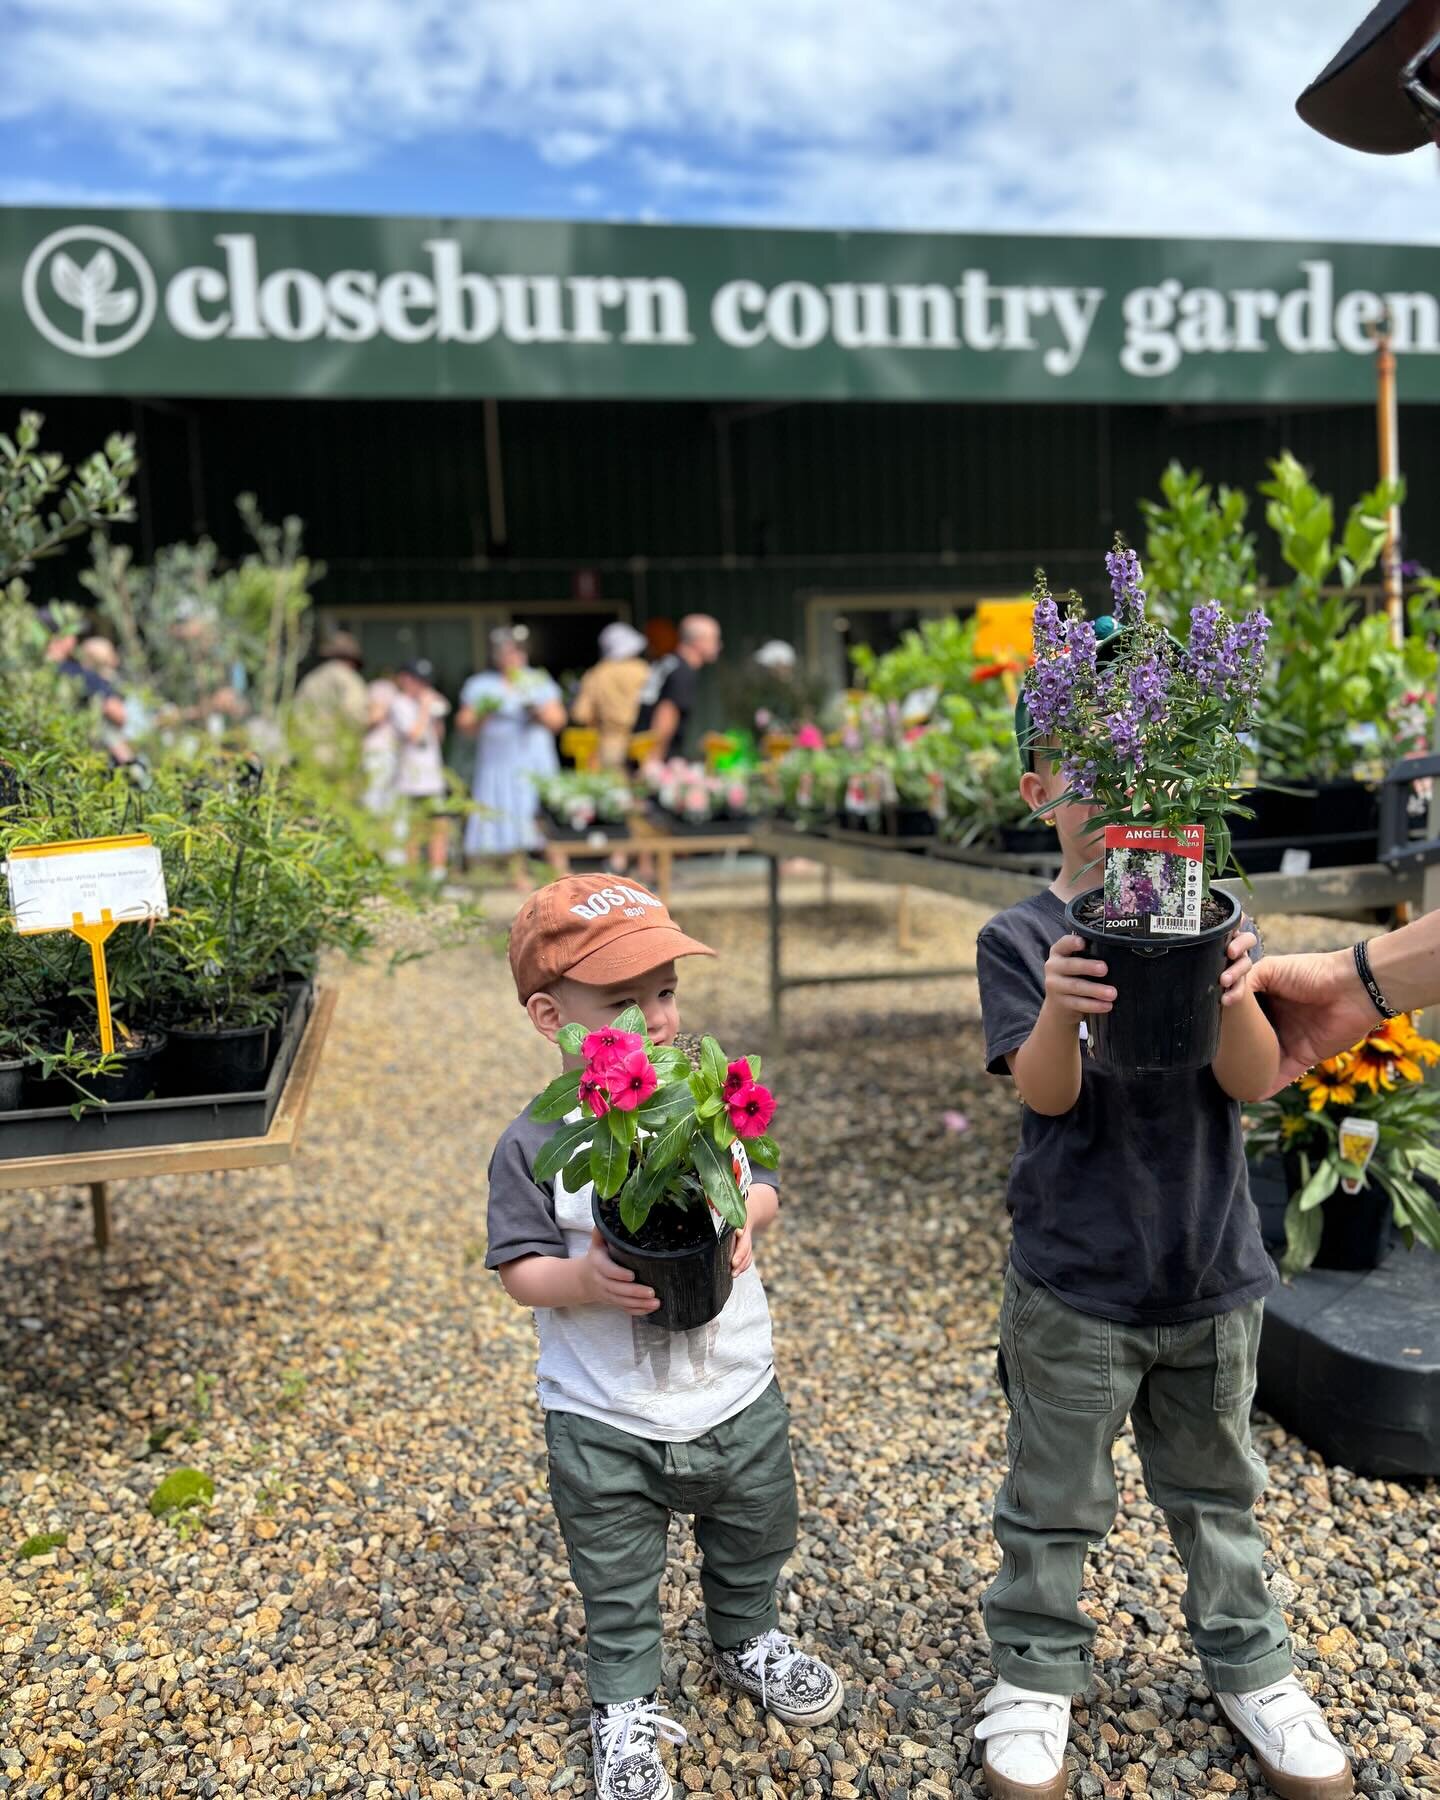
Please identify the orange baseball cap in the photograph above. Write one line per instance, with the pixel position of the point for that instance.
(598, 929)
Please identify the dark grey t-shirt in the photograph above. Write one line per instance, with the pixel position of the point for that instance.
(1134, 1205)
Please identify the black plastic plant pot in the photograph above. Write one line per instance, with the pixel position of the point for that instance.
(12, 1084)
(692, 1280)
(1357, 1231)
(911, 822)
(138, 1077)
(233, 1060)
(1166, 1014)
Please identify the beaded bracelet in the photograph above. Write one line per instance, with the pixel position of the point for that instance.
(1372, 987)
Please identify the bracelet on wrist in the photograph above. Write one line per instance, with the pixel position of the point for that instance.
(1372, 987)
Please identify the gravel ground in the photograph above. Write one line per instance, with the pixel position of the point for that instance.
(376, 1602)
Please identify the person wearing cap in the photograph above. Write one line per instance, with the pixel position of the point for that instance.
(417, 716)
(331, 710)
(609, 696)
(642, 1422)
(1135, 1288)
(514, 713)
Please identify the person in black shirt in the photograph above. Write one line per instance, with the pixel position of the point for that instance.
(668, 698)
(1134, 1288)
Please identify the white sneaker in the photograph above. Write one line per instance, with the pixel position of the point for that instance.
(1024, 1735)
(1292, 1743)
(625, 1740)
(797, 1688)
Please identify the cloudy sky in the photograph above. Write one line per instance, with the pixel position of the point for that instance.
(1147, 116)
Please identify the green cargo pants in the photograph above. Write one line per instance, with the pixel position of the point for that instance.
(1071, 1379)
(614, 1495)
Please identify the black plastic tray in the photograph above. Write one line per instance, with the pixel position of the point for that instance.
(144, 1124)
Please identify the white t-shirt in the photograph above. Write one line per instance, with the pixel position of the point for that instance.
(420, 767)
(669, 1386)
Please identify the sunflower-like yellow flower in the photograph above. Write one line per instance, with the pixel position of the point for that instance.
(1332, 1082)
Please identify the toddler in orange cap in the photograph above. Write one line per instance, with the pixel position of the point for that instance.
(640, 1421)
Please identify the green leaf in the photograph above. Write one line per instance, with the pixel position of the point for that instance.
(668, 1145)
(712, 1063)
(632, 1019)
(571, 1039)
(723, 1132)
(1302, 1238)
(710, 1106)
(609, 1161)
(1320, 1186)
(754, 1062)
(763, 1150)
(718, 1179)
(639, 1194)
(622, 1126)
(557, 1150)
(670, 1064)
(576, 1173)
(561, 1097)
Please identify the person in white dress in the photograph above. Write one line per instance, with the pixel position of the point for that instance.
(417, 715)
(514, 713)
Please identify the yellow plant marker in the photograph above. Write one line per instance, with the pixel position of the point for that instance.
(88, 887)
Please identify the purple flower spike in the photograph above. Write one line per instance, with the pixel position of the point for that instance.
(1124, 733)
(1126, 584)
(1149, 690)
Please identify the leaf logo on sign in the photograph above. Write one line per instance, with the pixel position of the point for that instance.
(91, 291)
(93, 272)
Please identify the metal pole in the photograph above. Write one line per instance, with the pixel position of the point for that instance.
(776, 1042)
(1387, 420)
(494, 474)
(100, 1214)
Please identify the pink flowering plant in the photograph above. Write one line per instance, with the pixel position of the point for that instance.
(652, 1128)
(1154, 729)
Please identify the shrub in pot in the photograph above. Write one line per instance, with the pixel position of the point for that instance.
(1148, 732)
(663, 1145)
(1357, 1138)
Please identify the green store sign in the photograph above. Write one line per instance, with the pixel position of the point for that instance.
(165, 303)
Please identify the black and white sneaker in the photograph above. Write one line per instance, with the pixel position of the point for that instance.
(797, 1688)
(625, 1741)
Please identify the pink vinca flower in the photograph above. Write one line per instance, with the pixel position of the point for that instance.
(631, 1080)
(809, 737)
(594, 1095)
(751, 1108)
(737, 1076)
(602, 1048)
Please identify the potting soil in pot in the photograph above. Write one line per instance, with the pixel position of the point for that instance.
(667, 1227)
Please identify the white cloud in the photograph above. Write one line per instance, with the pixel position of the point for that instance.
(1118, 116)
(16, 191)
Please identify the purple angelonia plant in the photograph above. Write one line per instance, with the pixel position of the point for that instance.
(1142, 726)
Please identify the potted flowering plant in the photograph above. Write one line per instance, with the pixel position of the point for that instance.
(1148, 733)
(1356, 1137)
(578, 801)
(663, 1145)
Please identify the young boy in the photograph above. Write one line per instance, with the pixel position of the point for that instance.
(1134, 1287)
(642, 1422)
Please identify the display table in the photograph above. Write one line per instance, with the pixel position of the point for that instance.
(995, 880)
(639, 837)
(97, 1168)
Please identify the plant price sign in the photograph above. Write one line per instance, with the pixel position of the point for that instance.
(89, 887)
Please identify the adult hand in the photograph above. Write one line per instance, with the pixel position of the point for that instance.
(608, 1284)
(1316, 1002)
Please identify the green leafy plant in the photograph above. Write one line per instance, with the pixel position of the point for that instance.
(1197, 547)
(653, 1129)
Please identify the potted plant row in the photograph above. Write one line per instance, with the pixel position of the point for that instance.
(580, 803)
(689, 797)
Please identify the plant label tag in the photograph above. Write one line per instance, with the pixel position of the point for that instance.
(1153, 885)
(1358, 1138)
(54, 887)
(1295, 862)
